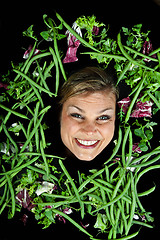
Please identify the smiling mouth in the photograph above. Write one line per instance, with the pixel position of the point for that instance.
(88, 144)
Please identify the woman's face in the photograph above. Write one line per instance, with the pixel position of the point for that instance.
(88, 123)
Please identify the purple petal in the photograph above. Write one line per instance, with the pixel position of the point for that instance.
(24, 199)
(136, 148)
(27, 52)
(124, 104)
(142, 109)
(147, 49)
(73, 44)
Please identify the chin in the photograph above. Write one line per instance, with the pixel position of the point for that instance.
(85, 158)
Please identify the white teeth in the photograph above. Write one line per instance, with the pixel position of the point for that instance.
(87, 143)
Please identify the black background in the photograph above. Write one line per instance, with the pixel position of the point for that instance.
(15, 17)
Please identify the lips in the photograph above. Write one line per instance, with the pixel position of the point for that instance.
(87, 144)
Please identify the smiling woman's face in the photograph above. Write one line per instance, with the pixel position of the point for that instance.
(88, 123)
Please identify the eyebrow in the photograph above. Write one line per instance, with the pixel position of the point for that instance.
(81, 110)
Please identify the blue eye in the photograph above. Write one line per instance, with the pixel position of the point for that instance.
(104, 118)
(76, 115)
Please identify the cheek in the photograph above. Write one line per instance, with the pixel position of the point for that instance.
(68, 127)
(108, 131)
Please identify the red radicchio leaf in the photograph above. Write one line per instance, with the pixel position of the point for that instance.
(141, 109)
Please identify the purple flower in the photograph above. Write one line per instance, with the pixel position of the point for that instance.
(95, 30)
(141, 109)
(147, 49)
(27, 52)
(24, 199)
(73, 44)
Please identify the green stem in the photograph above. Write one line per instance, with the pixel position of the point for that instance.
(134, 99)
(76, 34)
(129, 57)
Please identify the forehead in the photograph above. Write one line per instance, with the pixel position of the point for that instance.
(100, 99)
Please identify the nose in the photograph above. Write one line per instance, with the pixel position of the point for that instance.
(89, 128)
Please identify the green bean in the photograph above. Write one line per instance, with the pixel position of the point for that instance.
(129, 57)
(145, 171)
(39, 154)
(68, 188)
(12, 194)
(76, 34)
(121, 205)
(144, 164)
(28, 92)
(41, 55)
(10, 138)
(4, 194)
(141, 54)
(38, 94)
(130, 148)
(13, 112)
(133, 206)
(5, 180)
(115, 150)
(72, 221)
(74, 187)
(34, 83)
(134, 99)
(128, 237)
(110, 233)
(147, 155)
(89, 191)
(103, 194)
(143, 224)
(26, 62)
(154, 99)
(58, 56)
(42, 136)
(127, 130)
(113, 173)
(88, 180)
(32, 134)
(35, 121)
(44, 110)
(126, 68)
(105, 183)
(92, 195)
(42, 77)
(41, 171)
(147, 192)
(48, 69)
(55, 196)
(57, 69)
(44, 159)
(115, 199)
(29, 57)
(17, 169)
(116, 223)
(117, 57)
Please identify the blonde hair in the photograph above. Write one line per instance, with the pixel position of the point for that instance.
(89, 79)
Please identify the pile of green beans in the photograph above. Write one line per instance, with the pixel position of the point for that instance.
(111, 191)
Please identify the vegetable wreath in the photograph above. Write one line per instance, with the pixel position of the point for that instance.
(28, 177)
